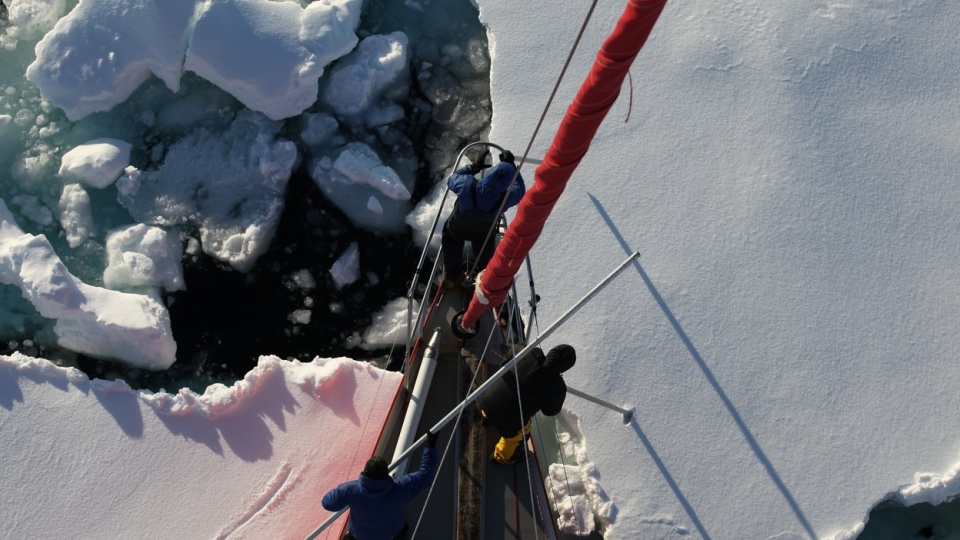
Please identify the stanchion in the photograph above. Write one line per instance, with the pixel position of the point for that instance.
(627, 413)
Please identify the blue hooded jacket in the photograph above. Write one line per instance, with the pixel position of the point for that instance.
(377, 504)
(490, 189)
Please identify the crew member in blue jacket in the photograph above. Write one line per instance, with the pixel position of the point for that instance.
(478, 207)
(377, 500)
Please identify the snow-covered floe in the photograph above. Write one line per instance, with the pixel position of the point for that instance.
(133, 328)
(252, 456)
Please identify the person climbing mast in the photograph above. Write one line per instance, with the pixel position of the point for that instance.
(477, 209)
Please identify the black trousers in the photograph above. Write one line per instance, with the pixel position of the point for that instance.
(455, 236)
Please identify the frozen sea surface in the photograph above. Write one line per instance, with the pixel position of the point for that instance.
(220, 332)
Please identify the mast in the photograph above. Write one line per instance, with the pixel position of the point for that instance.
(593, 101)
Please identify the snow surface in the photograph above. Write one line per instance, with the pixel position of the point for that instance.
(97, 163)
(95, 459)
(143, 256)
(788, 337)
(789, 334)
(76, 216)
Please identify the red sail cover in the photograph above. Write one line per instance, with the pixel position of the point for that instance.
(597, 94)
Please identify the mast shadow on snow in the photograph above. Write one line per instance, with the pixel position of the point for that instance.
(734, 413)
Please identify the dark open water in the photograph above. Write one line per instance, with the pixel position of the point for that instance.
(918, 522)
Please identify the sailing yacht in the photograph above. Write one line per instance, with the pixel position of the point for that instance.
(460, 341)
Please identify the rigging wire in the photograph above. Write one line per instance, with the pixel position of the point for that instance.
(556, 435)
(487, 239)
(533, 315)
(535, 321)
(563, 465)
(508, 339)
(543, 115)
(366, 422)
(446, 449)
(526, 152)
(516, 376)
(523, 440)
(486, 350)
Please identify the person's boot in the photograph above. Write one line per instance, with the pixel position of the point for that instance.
(499, 461)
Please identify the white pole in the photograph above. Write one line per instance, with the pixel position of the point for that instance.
(627, 413)
(496, 376)
(417, 400)
(520, 355)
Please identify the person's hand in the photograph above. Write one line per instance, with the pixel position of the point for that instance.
(484, 157)
(432, 439)
(477, 167)
(482, 161)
